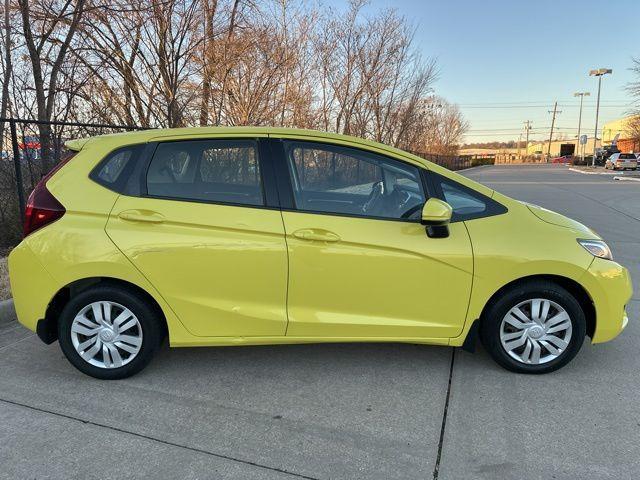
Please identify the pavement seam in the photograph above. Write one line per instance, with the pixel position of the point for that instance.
(158, 440)
(436, 468)
(16, 342)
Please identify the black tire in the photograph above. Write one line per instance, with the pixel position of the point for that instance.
(492, 319)
(150, 323)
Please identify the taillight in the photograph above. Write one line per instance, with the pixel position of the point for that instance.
(42, 207)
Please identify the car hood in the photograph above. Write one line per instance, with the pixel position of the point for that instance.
(555, 218)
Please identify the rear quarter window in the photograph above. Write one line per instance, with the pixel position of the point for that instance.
(115, 169)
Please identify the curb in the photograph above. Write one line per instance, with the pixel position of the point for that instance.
(585, 172)
(7, 312)
(628, 179)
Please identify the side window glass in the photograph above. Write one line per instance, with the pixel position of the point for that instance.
(114, 171)
(466, 203)
(463, 203)
(341, 180)
(225, 171)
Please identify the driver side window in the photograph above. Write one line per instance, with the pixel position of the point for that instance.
(346, 181)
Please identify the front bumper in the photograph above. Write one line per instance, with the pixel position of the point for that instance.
(609, 286)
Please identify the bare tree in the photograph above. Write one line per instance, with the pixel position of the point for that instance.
(7, 67)
(56, 23)
(229, 62)
(439, 128)
(371, 79)
(208, 59)
(633, 88)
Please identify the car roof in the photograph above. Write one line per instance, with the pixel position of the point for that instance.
(158, 134)
(142, 136)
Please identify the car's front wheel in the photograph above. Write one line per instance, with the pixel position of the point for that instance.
(534, 327)
(109, 332)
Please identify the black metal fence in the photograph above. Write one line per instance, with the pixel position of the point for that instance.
(25, 159)
(457, 162)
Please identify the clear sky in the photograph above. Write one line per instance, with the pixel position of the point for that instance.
(522, 55)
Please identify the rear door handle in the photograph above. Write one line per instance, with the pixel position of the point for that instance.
(146, 216)
(314, 234)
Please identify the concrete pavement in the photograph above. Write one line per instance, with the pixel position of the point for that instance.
(584, 420)
(343, 411)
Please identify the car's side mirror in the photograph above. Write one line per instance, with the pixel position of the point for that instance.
(436, 215)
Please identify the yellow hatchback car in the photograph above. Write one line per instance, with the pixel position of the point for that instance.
(251, 236)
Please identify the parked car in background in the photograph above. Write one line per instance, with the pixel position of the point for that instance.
(602, 154)
(566, 159)
(255, 236)
(622, 161)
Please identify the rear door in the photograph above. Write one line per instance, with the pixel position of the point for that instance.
(209, 236)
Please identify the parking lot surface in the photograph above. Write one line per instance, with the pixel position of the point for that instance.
(344, 411)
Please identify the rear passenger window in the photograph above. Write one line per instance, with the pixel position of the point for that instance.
(114, 171)
(225, 171)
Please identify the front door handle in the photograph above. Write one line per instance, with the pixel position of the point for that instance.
(141, 216)
(315, 234)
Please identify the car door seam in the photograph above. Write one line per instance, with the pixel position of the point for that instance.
(113, 242)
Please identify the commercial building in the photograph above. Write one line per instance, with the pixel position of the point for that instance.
(560, 148)
(624, 133)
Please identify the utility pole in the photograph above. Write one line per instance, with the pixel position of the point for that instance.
(597, 73)
(519, 140)
(581, 95)
(553, 123)
(527, 127)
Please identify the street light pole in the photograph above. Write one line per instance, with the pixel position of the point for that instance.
(581, 95)
(597, 73)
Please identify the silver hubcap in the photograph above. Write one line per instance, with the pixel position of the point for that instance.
(106, 334)
(536, 331)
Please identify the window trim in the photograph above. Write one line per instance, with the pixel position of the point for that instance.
(276, 180)
(493, 207)
(263, 166)
(284, 172)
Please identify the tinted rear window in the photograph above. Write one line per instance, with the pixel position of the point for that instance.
(217, 171)
(627, 156)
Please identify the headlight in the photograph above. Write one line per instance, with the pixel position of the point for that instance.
(597, 248)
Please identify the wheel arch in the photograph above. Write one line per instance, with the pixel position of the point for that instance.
(573, 287)
(47, 329)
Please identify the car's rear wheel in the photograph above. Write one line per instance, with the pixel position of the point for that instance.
(534, 327)
(109, 332)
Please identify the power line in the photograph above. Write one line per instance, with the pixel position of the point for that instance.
(532, 102)
(509, 129)
(506, 107)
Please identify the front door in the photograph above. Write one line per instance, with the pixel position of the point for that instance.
(202, 236)
(360, 263)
